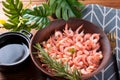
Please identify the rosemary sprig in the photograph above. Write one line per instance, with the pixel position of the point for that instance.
(60, 69)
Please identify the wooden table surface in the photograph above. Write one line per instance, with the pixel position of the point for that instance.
(30, 72)
(108, 3)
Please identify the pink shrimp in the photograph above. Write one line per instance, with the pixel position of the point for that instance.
(58, 34)
(78, 29)
(64, 42)
(86, 52)
(78, 38)
(68, 32)
(79, 46)
(83, 71)
(88, 44)
(95, 46)
(95, 37)
(77, 59)
(87, 36)
(61, 48)
(79, 53)
(90, 60)
(84, 59)
(98, 56)
(89, 69)
(70, 41)
(80, 50)
(94, 60)
(70, 63)
(80, 65)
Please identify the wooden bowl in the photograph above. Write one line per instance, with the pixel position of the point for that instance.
(74, 23)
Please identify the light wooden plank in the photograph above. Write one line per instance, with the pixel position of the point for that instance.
(108, 3)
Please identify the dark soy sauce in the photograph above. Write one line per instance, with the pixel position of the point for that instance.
(13, 52)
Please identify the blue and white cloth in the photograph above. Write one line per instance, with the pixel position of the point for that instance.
(109, 20)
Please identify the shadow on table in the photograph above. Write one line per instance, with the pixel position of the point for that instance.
(26, 72)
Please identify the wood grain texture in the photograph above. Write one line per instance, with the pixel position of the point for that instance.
(108, 3)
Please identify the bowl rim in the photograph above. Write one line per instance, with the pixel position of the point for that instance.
(83, 76)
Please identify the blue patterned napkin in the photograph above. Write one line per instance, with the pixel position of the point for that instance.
(109, 20)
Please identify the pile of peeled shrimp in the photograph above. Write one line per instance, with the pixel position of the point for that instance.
(80, 50)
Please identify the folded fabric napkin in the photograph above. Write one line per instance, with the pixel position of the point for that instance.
(109, 20)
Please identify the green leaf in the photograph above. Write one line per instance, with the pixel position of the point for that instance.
(13, 9)
(58, 12)
(38, 17)
(19, 6)
(51, 2)
(8, 26)
(9, 12)
(66, 8)
(17, 2)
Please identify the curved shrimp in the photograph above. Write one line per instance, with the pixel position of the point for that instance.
(78, 29)
(95, 37)
(81, 51)
(61, 48)
(98, 56)
(68, 32)
(88, 44)
(86, 52)
(95, 46)
(84, 59)
(83, 71)
(94, 60)
(90, 69)
(58, 34)
(79, 46)
(77, 59)
(87, 36)
(90, 60)
(78, 38)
